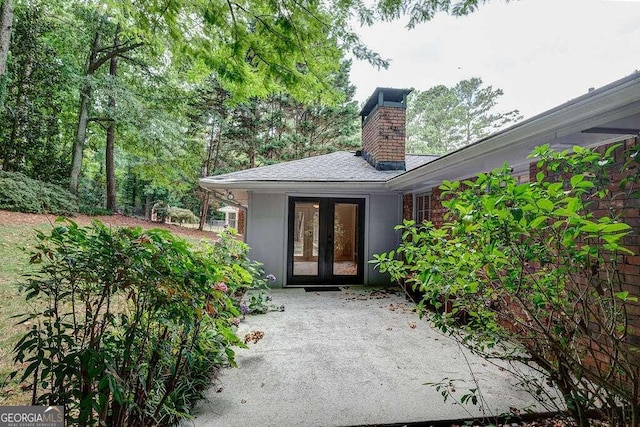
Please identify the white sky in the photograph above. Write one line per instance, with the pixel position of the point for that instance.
(540, 52)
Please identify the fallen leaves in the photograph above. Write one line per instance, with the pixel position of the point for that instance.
(254, 336)
(350, 296)
(402, 307)
(541, 422)
(367, 295)
(380, 294)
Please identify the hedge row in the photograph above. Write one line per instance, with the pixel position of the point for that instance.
(22, 194)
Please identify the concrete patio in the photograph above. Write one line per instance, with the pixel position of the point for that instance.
(349, 358)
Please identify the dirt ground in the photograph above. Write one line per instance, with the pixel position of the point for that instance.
(19, 218)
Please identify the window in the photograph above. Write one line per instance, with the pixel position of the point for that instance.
(232, 220)
(423, 208)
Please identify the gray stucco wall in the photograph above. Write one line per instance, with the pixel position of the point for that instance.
(385, 212)
(267, 230)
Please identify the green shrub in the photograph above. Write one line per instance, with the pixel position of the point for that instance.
(130, 325)
(241, 272)
(91, 193)
(182, 216)
(17, 195)
(525, 273)
(22, 194)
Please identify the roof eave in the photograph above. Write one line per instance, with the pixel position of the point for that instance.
(212, 184)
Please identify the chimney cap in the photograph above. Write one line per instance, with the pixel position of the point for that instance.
(388, 97)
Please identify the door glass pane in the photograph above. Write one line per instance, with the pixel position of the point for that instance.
(345, 238)
(305, 239)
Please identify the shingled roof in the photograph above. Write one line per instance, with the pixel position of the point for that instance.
(340, 166)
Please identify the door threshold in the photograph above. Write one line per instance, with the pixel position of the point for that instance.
(322, 289)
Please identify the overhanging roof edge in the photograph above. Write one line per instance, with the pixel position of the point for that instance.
(249, 185)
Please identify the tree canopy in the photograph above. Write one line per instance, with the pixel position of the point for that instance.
(136, 100)
(442, 119)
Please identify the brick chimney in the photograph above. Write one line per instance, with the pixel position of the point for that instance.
(384, 128)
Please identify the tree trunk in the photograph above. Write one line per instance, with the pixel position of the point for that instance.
(95, 62)
(83, 118)
(81, 135)
(208, 168)
(111, 132)
(134, 191)
(17, 146)
(6, 25)
(147, 207)
(204, 208)
(109, 165)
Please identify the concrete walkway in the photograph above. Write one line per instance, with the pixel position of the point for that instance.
(348, 358)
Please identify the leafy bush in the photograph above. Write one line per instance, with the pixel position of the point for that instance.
(182, 216)
(22, 194)
(260, 303)
(92, 197)
(526, 273)
(241, 272)
(130, 325)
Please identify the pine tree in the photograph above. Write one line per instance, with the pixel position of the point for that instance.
(443, 119)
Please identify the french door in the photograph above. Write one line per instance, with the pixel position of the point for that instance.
(325, 241)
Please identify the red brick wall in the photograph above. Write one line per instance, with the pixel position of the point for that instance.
(407, 206)
(241, 221)
(629, 210)
(437, 210)
(383, 134)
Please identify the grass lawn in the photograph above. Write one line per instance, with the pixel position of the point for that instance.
(15, 241)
